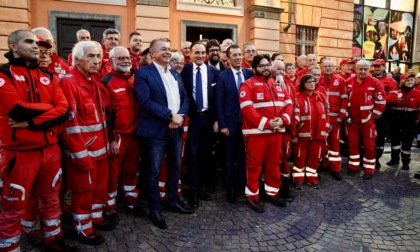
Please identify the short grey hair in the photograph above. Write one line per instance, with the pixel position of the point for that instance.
(362, 63)
(79, 50)
(113, 50)
(80, 31)
(111, 31)
(310, 70)
(277, 62)
(43, 29)
(176, 56)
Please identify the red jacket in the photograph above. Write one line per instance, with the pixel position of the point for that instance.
(260, 102)
(366, 99)
(28, 94)
(387, 82)
(123, 107)
(58, 66)
(245, 64)
(337, 97)
(311, 114)
(135, 60)
(346, 76)
(405, 101)
(84, 135)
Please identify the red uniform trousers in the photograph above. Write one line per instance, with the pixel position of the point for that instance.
(334, 157)
(307, 152)
(29, 175)
(88, 188)
(286, 151)
(263, 150)
(367, 131)
(123, 169)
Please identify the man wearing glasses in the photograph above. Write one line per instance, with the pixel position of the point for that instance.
(213, 53)
(266, 111)
(110, 39)
(249, 51)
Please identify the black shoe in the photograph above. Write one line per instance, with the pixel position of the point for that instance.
(194, 202)
(158, 220)
(255, 205)
(113, 217)
(367, 176)
(136, 210)
(336, 176)
(104, 225)
(284, 192)
(377, 164)
(314, 185)
(299, 186)
(58, 244)
(204, 196)
(36, 238)
(276, 200)
(180, 208)
(352, 172)
(405, 167)
(92, 239)
(392, 162)
(231, 196)
(417, 175)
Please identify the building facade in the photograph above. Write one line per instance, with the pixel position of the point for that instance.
(290, 27)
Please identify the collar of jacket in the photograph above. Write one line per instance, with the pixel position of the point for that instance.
(19, 61)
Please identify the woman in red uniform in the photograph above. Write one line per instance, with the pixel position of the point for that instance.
(312, 127)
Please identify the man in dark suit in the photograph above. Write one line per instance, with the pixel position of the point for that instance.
(230, 120)
(163, 104)
(200, 83)
(213, 53)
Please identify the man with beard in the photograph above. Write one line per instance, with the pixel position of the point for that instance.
(266, 111)
(124, 145)
(382, 123)
(230, 121)
(134, 44)
(213, 53)
(366, 103)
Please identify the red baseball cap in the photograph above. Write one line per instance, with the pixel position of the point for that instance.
(43, 42)
(379, 62)
(405, 76)
(346, 61)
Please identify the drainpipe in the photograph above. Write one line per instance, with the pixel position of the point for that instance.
(289, 22)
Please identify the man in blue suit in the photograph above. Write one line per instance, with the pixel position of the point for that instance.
(230, 121)
(163, 105)
(200, 83)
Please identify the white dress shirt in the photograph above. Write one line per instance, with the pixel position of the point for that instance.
(171, 88)
(203, 71)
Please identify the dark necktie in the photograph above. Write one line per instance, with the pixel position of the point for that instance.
(198, 90)
(239, 82)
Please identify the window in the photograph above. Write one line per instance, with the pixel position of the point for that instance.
(305, 40)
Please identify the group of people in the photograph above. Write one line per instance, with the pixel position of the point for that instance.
(85, 125)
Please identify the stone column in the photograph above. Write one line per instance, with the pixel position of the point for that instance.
(15, 15)
(265, 25)
(152, 19)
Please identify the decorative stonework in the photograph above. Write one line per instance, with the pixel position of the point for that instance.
(164, 3)
(258, 11)
(185, 24)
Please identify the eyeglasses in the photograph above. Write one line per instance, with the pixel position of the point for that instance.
(213, 50)
(122, 58)
(111, 38)
(44, 53)
(251, 51)
(328, 66)
(264, 65)
(177, 63)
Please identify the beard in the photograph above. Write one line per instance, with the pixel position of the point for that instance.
(214, 60)
(123, 69)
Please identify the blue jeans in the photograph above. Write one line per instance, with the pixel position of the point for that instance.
(154, 150)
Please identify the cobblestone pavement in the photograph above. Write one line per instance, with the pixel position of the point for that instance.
(351, 215)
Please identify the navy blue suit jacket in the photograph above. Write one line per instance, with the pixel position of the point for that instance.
(227, 99)
(151, 95)
(187, 78)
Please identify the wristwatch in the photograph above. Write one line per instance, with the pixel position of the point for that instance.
(170, 116)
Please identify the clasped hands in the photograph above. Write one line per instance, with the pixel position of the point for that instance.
(177, 121)
(276, 123)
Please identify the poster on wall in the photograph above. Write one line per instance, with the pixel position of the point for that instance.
(376, 24)
(357, 30)
(401, 36)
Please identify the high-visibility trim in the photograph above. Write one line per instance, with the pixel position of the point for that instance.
(81, 216)
(380, 102)
(286, 175)
(369, 160)
(367, 107)
(96, 215)
(131, 194)
(343, 110)
(329, 93)
(357, 163)
(81, 227)
(84, 129)
(311, 170)
(305, 118)
(287, 117)
(246, 103)
(271, 190)
(56, 177)
(28, 230)
(161, 184)
(335, 153)
(111, 202)
(298, 174)
(323, 116)
(98, 153)
(129, 188)
(323, 133)
(26, 223)
(344, 96)
(396, 147)
(367, 119)
(298, 169)
(297, 118)
(113, 194)
(393, 91)
(332, 114)
(162, 194)
(97, 206)
(307, 134)
(185, 128)
(256, 131)
(332, 159)
(270, 104)
(406, 152)
(311, 175)
(262, 123)
(7, 242)
(368, 166)
(288, 101)
(377, 112)
(404, 109)
(354, 156)
(296, 110)
(52, 223)
(55, 232)
(379, 147)
(249, 193)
